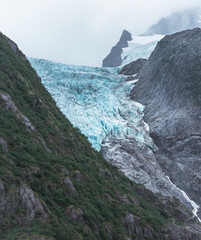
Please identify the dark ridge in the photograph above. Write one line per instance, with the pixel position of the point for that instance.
(114, 57)
(133, 67)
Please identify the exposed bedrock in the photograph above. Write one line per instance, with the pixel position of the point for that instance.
(170, 87)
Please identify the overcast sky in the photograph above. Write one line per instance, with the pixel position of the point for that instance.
(79, 32)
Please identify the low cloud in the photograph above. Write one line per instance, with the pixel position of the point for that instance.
(79, 32)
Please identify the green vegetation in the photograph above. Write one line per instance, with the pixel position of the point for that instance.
(56, 151)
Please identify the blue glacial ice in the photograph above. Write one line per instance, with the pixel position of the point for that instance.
(96, 100)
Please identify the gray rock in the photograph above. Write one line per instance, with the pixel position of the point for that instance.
(123, 198)
(68, 183)
(170, 88)
(21, 198)
(109, 230)
(105, 173)
(76, 214)
(78, 176)
(138, 162)
(32, 204)
(175, 232)
(114, 57)
(10, 105)
(15, 48)
(4, 145)
(133, 67)
(65, 171)
(128, 222)
(30, 171)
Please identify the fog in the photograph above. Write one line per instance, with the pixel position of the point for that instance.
(79, 32)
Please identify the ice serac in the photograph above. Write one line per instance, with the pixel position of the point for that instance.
(97, 101)
(170, 87)
(176, 22)
(114, 57)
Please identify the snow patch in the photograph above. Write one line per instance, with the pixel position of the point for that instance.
(140, 47)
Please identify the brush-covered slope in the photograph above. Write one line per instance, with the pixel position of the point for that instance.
(53, 185)
(170, 88)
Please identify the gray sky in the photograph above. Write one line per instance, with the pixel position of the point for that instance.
(79, 32)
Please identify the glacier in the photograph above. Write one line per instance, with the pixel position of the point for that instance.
(95, 100)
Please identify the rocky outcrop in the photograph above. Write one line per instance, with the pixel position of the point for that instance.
(10, 105)
(71, 189)
(114, 58)
(21, 202)
(128, 222)
(75, 213)
(4, 144)
(138, 162)
(133, 67)
(170, 88)
(175, 232)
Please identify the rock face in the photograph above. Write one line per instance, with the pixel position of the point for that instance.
(10, 106)
(20, 199)
(114, 58)
(176, 22)
(4, 145)
(170, 87)
(133, 67)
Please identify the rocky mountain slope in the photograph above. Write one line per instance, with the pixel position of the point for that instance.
(170, 87)
(53, 185)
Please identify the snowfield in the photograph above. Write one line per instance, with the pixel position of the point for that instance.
(139, 47)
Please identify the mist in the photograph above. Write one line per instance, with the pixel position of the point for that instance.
(79, 32)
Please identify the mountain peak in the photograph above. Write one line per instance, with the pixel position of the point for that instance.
(114, 57)
(177, 21)
(125, 36)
